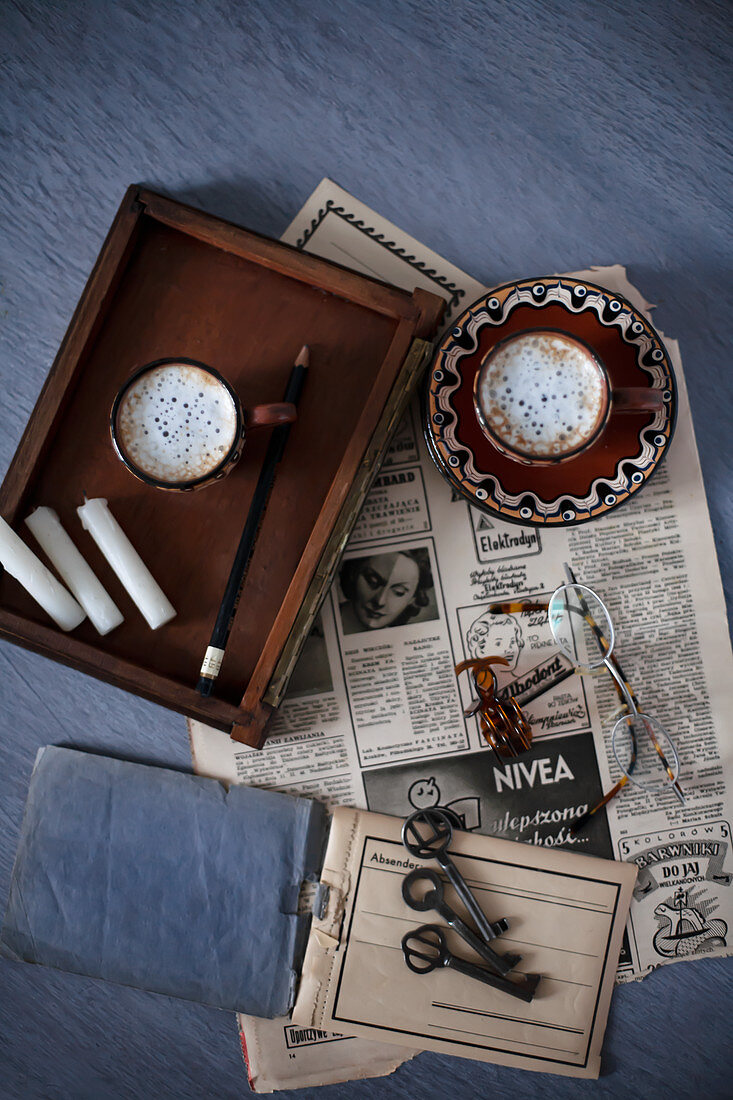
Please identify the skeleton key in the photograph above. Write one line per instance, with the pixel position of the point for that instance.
(427, 835)
(433, 899)
(426, 949)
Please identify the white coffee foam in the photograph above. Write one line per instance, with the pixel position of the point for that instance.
(176, 422)
(541, 394)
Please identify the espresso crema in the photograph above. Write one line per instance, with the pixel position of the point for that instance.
(541, 394)
(176, 422)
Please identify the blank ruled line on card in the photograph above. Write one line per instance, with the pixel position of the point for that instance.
(548, 899)
(527, 895)
(549, 947)
(504, 1039)
(509, 1019)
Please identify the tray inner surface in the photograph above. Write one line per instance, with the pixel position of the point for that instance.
(180, 296)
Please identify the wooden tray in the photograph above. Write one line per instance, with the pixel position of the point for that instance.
(171, 281)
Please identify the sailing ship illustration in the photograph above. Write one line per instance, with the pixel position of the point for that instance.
(683, 928)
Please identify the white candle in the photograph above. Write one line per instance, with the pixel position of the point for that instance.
(46, 526)
(97, 519)
(38, 581)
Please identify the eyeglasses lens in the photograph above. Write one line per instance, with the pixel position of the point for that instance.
(644, 752)
(580, 625)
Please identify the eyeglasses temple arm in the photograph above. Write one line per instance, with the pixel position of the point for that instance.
(514, 607)
(582, 821)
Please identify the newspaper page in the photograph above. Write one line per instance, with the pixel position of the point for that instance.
(374, 714)
(280, 1054)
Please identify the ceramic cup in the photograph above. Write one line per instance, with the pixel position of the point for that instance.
(177, 424)
(542, 396)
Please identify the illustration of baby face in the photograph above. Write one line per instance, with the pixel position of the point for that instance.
(496, 636)
(423, 794)
(384, 587)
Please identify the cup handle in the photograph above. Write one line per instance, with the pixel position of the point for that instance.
(637, 399)
(269, 416)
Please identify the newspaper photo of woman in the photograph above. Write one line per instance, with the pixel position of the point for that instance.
(388, 589)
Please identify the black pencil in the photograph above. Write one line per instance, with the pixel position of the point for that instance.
(230, 599)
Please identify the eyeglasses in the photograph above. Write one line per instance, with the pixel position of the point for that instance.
(582, 628)
(502, 724)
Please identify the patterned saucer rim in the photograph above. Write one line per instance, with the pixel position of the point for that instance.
(464, 469)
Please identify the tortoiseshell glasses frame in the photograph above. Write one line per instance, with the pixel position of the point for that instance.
(574, 604)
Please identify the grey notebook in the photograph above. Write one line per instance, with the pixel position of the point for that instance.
(164, 881)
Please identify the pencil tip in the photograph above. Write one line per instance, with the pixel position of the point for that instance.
(304, 358)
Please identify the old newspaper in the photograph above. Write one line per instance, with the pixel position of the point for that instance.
(374, 714)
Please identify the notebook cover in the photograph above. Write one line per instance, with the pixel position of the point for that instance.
(162, 880)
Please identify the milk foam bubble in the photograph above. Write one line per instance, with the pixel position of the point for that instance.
(541, 394)
(176, 422)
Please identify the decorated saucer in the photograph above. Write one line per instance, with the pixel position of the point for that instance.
(621, 457)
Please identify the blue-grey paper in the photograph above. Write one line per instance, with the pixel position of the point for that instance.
(162, 880)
